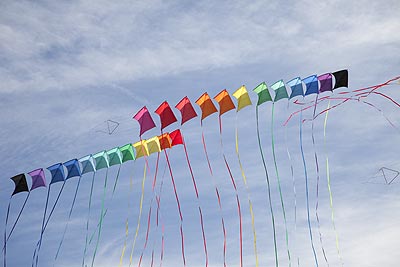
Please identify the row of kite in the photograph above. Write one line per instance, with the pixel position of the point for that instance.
(61, 172)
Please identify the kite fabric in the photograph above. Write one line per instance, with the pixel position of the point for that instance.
(325, 81)
(186, 109)
(225, 104)
(262, 92)
(167, 117)
(280, 93)
(341, 78)
(38, 178)
(242, 97)
(20, 184)
(296, 87)
(73, 170)
(311, 83)
(243, 101)
(206, 105)
(145, 121)
(177, 139)
(280, 90)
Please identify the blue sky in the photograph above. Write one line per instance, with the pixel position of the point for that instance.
(66, 67)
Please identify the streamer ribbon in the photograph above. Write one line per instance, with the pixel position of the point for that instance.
(279, 184)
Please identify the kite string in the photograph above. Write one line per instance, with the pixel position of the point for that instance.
(268, 187)
(88, 218)
(306, 182)
(279, 184)
(216, 192)
(179, 208)
(236, 193)
(318, 178)
(101, 218)
(329, 187)
(198, 203)
(248, 193)
(5, 233)
(294, 192)
(69, 218)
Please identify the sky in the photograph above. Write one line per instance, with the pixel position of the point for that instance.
(69, 66)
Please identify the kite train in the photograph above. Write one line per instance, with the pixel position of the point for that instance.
(232, 240)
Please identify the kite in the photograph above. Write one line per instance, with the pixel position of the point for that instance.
(243, 100)
(207, 108)
(226, 104)
(296, 87)
(265, 96)
(177, 139)
(102, 162)
(20, 186)
(141, 150)
(311, 83)
(280, 93)
(167, 117)
(61, 172)
(88, 165)
(57, 175)
(73, 170)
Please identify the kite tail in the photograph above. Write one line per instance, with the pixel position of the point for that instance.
(268, 187)
(5, 234)
(126, 223)
(179, 209)
(388, 97)
(198, 202)
(383, 115)
(279, 183)
(248, 193)
(317, 171)
(43, 221)
(116, 181)
(236, 193)
(140, 216)
(306, 179)
(147, 235)
(216, 192)
(101, 219)
(16, 220)
(294, 193)
(329, 188)
(205, 148)
(87, 221)
(39, 244)
(150, 209)
(69, 218)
